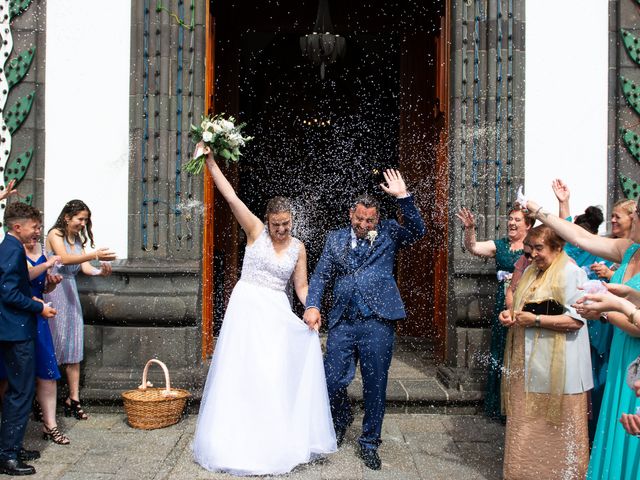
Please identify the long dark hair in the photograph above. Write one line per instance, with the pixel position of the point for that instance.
(71, 209)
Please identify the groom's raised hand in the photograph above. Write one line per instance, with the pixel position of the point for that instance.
(312, 318)
(395, 185)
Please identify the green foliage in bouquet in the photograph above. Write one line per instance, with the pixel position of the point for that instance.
(221, 135)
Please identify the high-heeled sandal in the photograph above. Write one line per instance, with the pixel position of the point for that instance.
(37, 411)
(55, 435)
(74, 408)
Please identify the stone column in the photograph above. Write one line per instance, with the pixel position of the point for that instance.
(486, 164)
(150, 306)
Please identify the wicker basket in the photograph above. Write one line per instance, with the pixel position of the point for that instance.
(150, 408)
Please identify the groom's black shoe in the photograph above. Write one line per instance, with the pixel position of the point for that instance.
(16, 467)
(342, 431)
(370, 458)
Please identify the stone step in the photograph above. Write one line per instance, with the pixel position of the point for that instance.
(416, 384)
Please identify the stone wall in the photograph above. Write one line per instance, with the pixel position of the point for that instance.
(28, 30)
(623, 14)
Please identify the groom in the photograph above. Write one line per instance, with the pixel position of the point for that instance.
(366, 304)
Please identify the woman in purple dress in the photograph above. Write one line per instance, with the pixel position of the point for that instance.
(67, 239)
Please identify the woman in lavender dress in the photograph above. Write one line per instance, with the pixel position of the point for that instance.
(67, 239)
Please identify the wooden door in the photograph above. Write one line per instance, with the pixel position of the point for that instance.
(208, 234)
(424, 107)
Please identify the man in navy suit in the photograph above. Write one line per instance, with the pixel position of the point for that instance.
(17, 335)
(366, 304)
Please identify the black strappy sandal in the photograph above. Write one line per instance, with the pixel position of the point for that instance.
(74, 408)
(55, 435)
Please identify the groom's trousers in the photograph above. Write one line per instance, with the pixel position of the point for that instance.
(369, 340)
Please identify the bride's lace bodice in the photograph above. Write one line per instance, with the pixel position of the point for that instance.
(261, 265)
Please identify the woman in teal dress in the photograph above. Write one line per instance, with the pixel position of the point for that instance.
(615, 454)
(506, 251)
(600, 333)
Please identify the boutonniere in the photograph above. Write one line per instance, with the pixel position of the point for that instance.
(371, 236)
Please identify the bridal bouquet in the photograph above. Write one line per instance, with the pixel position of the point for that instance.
(221, 135)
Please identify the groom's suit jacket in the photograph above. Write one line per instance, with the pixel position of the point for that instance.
(371, 275)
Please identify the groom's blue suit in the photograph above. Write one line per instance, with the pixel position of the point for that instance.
(366, 304)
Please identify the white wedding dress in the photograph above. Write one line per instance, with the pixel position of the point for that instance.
(265, 407)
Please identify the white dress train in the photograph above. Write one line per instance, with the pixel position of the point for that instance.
(265, 407)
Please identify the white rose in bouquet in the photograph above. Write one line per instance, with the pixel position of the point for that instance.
(216, 127)
(227, 126)
(236, 140)
(207, 136)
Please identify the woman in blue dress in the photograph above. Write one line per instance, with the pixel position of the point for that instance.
(47, 373)
(600, 333)
(615, 453)
(506, 251)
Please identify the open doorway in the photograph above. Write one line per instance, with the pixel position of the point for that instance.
(323, 141)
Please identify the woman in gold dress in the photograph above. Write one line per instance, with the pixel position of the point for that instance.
(547, 367)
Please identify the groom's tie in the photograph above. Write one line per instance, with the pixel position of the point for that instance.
(361, 247)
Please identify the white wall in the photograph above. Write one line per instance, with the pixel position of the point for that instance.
(87, 114)
(566, 101)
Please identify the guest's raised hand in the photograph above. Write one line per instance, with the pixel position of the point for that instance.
(53, 279)
(105, 255)
(505, 318)
(395, 185)
(52, 260)
(596, 303)
(601, 270)
(561, 190)
(467, 218)
(9, 190)
(105, 269)
(47, 310)
(621, 290)
(631, 423)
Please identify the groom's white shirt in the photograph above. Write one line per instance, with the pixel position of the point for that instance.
(354, 239)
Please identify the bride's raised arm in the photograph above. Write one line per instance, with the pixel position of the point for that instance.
(251, 224)
(609, 248)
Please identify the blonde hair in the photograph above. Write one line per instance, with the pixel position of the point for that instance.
(628, 206)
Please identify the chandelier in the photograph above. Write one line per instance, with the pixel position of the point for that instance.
(323, 47)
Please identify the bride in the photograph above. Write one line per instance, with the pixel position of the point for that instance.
(265, 407)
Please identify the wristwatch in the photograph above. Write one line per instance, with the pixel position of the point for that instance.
(604, 317)
(536, 322)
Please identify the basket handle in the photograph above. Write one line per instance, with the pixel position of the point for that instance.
(167, 391)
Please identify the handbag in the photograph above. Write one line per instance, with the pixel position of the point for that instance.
(546, 307)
